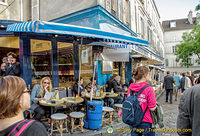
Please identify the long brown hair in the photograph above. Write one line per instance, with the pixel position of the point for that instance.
(42, 87)
(139, 72)
(11, 90)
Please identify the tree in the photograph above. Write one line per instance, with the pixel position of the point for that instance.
(197, 7)
(189, 47)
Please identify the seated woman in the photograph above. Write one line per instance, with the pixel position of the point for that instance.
(38, 94)
(82, 92)
(89, 86)
(15, 99)
(110, 82)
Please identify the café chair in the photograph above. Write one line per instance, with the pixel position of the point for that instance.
(107, 120)
(59, 119)
(117, 108)
(77, 116)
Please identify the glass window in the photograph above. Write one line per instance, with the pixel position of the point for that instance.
(86, 63)
(66, 64)
(40, 60)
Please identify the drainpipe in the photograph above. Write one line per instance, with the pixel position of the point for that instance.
(21, 10)
(38, 9)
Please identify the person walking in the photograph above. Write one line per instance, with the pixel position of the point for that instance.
(168, 85)
(146, 99)
(188, 117)
(177, 79)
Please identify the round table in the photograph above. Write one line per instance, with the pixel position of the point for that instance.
(96, 97)
(58, 102)
(112, 95)
(72, 100)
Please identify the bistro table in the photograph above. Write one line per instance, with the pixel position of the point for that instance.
(111, 95)
(96, 97)
(73, 100)
(58, 102)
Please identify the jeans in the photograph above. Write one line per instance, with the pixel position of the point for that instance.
(144, 129)
(118, 100)
(167, 94)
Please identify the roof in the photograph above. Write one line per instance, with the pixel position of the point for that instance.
(181, 24)
(66, 29)
(95, 17)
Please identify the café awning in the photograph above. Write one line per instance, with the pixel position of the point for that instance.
(66, 29)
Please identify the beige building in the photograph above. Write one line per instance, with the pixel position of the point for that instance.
(173, 31)
(141, 16)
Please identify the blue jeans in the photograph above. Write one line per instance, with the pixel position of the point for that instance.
(144, 129)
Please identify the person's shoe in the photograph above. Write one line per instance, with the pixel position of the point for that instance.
(170, 102)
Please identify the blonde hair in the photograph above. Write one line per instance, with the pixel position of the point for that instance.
(42, 87)
(11, 90)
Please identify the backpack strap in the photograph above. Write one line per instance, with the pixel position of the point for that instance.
(20, 127)
(138, 93)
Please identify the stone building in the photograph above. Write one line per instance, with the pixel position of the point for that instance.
(173, 31)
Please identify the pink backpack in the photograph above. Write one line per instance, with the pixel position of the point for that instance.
(20, 127)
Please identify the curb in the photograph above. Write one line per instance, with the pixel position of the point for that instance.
(159, 95)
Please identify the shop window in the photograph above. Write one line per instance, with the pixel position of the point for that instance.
(66, 64)
(116, 68)
(40, 60)
(86, 63)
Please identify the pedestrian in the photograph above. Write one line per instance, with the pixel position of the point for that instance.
(14, 100)
(188, 120)
(168, 85)
(38, 93)
(12, 67)
(177, 79)
(191, 77)
(146, 99)
(197, 81)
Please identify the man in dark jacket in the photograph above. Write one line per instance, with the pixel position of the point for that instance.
(189, 118)
(12, 68)
(168, 85)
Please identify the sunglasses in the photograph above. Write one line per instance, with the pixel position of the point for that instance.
(46, 82)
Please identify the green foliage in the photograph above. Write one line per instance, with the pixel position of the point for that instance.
(189, 47)
(197, 7)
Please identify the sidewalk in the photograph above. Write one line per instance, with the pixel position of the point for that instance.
(119, 128)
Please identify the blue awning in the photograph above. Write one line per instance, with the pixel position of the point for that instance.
(66, 29)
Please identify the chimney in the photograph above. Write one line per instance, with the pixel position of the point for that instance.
(197, 18)
(190, 17)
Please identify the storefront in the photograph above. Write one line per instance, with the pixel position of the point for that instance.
(8, 41)
(52, 49)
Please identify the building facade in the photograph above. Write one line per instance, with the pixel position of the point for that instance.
(173, 31)
(138, 18)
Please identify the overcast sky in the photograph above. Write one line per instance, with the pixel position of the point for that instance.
(175, 9)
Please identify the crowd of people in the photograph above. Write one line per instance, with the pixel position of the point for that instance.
(179, 83)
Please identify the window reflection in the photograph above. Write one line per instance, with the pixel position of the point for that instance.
(40, 60)
(66, 64)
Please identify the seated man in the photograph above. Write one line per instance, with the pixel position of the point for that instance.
(116, 87)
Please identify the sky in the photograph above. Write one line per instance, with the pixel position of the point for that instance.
(175, 9)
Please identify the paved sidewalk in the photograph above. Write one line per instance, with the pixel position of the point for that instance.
(121, 129)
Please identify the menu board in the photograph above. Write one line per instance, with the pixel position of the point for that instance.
(107, 67)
